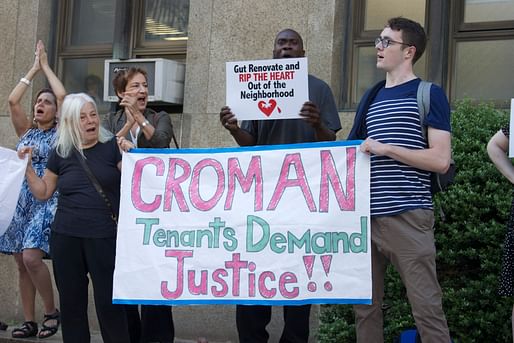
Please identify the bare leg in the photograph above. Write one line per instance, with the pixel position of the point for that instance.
(27, 289)
(40, 276)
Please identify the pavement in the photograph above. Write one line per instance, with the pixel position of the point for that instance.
(5, 337)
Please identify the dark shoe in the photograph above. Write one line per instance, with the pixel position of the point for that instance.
(27, 329)
(3, 326)
(50, 330)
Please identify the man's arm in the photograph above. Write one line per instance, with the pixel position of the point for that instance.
(229, 122)
(436, 158)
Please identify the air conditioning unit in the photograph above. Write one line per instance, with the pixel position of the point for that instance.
(165, 78)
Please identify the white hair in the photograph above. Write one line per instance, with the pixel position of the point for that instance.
(69, 131)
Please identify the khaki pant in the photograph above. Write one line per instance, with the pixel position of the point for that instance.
(407, 241)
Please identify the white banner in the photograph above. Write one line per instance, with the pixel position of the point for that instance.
(267, 89)
(12, 175)
(285, 224)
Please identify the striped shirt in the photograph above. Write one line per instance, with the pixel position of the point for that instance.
(393, 118)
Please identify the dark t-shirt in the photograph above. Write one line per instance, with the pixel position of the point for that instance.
(81, 211)
(288, 131)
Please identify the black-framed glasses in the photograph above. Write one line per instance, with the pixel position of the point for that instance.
(385, 42)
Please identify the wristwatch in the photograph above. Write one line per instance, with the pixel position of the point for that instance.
(146, 122)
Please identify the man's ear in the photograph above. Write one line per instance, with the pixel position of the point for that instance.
(410, 51)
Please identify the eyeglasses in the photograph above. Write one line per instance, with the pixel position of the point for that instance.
(385, 42)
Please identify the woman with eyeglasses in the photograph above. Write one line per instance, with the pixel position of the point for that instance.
(145, 128)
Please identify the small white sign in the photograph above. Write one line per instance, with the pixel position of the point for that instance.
(267, 89)
(511, 141)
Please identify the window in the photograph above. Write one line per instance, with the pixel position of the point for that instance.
(162, 27)
(86, 75)
(156, 28)
(92, 22)
(166, 20)
(469, 50)
(86, 25)
(372, 15)
(86, 37)
(483, 32)
(495, 12)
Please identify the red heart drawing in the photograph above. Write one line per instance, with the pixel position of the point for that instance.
(267, 107)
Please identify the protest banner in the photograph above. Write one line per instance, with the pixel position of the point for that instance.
(267, 89)
(12, 175)
(276, 225)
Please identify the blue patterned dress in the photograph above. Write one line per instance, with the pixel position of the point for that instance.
(30, 227)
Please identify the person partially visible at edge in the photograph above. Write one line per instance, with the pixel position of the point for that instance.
(146, 129)
(27, 237)
(402, 218)
(83, 239)
(498, 148)
(141, 125)
(319, 122)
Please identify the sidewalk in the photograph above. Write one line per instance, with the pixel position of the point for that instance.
(5, 337)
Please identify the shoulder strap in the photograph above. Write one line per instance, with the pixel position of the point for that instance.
(172, 130)
(423, 99)
(174, 139)
(95, 183)
(359, 130)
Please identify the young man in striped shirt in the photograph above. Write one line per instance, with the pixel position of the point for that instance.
(402, 218)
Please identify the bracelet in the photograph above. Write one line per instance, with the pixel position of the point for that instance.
(146, 122)
(25, 81)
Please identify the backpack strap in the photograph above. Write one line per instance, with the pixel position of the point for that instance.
(423, 99)
(359, 130)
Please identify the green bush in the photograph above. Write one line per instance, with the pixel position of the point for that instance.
(469, 241)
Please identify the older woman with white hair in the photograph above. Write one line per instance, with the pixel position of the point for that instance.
(83, 239)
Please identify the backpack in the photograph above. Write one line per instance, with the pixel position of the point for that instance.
(439, 182)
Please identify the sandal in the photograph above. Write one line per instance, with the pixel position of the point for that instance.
(47, 330)
(27, 329)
